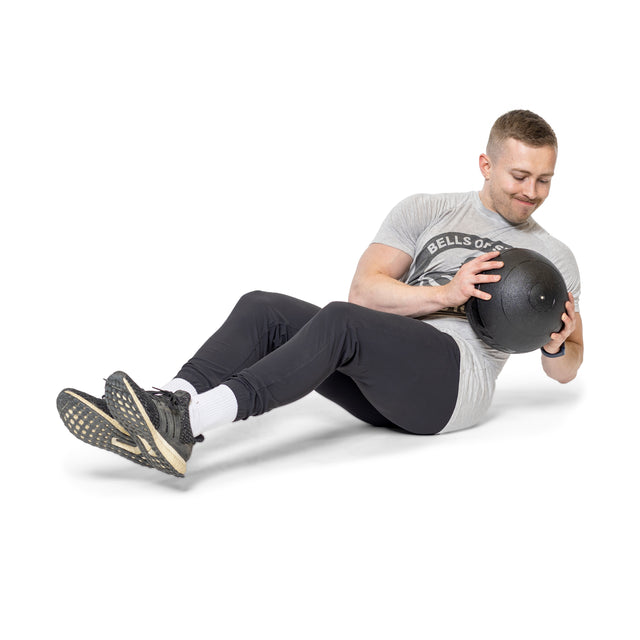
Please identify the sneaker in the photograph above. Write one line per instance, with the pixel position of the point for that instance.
(157, 420)
(90, 420)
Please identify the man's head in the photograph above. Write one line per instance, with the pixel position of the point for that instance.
(518, 165)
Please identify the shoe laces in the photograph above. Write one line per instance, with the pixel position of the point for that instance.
(155, 391)
(173, 399)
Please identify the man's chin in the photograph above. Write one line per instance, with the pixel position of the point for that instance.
(522, 210)
(518, 217)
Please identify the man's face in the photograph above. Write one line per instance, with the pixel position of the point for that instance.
(517, 180)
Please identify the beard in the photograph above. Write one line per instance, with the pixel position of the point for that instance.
(513, 207)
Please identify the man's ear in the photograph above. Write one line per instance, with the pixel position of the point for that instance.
(485, 165)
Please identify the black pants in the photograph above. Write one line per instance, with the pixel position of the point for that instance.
(385, 369)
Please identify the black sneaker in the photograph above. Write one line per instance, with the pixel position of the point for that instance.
(157, 420)
(90, 420)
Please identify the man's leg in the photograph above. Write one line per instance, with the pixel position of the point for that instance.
(406, 369)
(156, 429)
(260, 323)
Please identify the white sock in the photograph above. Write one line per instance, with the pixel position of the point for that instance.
(210, 409)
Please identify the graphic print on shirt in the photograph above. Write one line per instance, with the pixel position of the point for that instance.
(443, 255)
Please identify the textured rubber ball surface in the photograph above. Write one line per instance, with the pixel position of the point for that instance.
(526, 304)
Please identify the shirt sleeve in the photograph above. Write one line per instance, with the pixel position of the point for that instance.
(563, 258)
(407, 221)
(568, 266)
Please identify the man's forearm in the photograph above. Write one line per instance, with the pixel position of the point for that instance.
(565, 368)
(382, 293)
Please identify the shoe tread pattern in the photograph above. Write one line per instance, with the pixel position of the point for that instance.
(88, 421)
(131, 412)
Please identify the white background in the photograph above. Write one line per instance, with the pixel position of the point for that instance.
(159, 159)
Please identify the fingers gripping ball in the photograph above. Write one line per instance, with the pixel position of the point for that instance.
(526, 304)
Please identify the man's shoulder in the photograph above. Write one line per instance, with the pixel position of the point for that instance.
(444, 197)
(548, 239)
(437, 204)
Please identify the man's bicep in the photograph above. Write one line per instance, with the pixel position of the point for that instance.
(381, 258)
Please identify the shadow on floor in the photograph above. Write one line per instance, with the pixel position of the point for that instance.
(315, 431)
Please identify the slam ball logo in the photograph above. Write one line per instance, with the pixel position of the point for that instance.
(443, 255)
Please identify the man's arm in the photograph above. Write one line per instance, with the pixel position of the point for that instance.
(565, 368)
(376, 285)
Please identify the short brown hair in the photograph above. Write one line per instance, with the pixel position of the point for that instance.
(524, 126)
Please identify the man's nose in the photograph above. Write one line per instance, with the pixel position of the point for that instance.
(530, 189)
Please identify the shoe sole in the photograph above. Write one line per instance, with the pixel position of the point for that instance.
(124, 403)
(93, 426)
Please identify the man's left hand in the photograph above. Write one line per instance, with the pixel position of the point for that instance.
(569, 320)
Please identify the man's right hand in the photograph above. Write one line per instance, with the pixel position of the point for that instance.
(463, 285)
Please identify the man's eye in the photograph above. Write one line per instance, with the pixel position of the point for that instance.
(520, 178)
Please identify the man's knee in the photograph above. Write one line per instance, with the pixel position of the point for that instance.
(339, 313)
(255, 299)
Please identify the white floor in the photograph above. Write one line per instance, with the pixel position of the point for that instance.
(306, 523)
(159, 160)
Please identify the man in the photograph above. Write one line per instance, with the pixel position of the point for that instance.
(399, 354)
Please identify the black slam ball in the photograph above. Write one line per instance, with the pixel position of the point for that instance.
(526, 304)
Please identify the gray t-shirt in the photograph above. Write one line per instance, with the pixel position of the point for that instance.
(442, 232)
